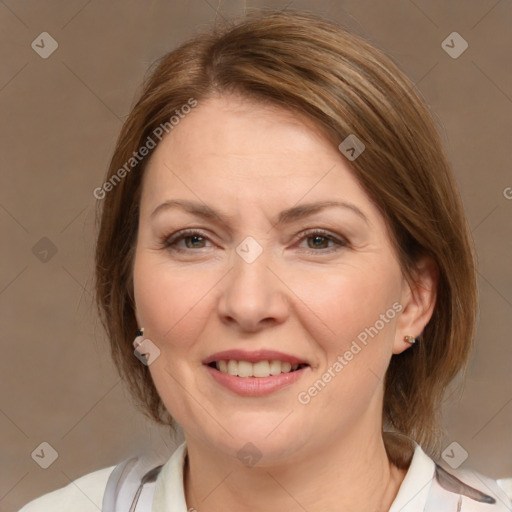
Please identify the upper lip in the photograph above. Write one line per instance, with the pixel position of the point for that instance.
(253, 356)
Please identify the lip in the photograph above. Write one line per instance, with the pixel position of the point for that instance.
(253, 357)
(256, 386)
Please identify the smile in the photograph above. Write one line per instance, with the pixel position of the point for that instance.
(250, 385)
(258, 369)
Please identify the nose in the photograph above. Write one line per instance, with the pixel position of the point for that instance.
(253, 297)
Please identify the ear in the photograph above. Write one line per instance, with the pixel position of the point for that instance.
(418, 302)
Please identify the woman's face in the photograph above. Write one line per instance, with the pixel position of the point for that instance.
(264, 273)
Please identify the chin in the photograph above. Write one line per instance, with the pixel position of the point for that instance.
(261, 447)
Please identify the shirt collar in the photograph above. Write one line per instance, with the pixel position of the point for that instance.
(412, 495)
(169, 490)
(414, 490)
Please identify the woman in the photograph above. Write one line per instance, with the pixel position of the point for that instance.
(283, 242)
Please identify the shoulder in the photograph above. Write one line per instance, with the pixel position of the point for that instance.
(431, 487)
(85, 494)
(468, 490)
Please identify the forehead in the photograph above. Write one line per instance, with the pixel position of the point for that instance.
(230, 150)
(231, 128)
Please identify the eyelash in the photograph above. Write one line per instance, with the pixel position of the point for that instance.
(170, 242)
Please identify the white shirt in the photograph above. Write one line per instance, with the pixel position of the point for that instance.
(418, 491)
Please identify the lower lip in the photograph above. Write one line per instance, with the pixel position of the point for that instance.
(256, 386)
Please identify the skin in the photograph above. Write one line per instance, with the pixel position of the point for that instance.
(303, 295)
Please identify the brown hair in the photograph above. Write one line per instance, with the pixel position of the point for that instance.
(304, 63)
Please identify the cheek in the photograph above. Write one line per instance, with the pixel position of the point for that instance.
(169, 301)
(341, 304)
(356, 334)
(170, 305)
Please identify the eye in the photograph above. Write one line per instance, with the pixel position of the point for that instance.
(320, 238)
(196, 238)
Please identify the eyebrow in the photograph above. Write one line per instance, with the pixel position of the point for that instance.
(285, 217)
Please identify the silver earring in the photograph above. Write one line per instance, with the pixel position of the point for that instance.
(139, 338)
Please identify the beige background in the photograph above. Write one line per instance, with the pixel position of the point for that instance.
(59, 120)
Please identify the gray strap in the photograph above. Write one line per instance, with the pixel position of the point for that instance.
(453, 484)
(146, 484)
(449, 493)
(131, 486)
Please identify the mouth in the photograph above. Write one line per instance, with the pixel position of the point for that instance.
(255, 373)
(259, 369)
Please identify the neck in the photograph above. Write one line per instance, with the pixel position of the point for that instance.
(352, 473)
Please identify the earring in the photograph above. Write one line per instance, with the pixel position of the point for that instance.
(139, 338)
(410, 339)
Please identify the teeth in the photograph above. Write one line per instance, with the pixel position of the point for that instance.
(244, 368)
(232, 367)
(259, 369)
(275, 367)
